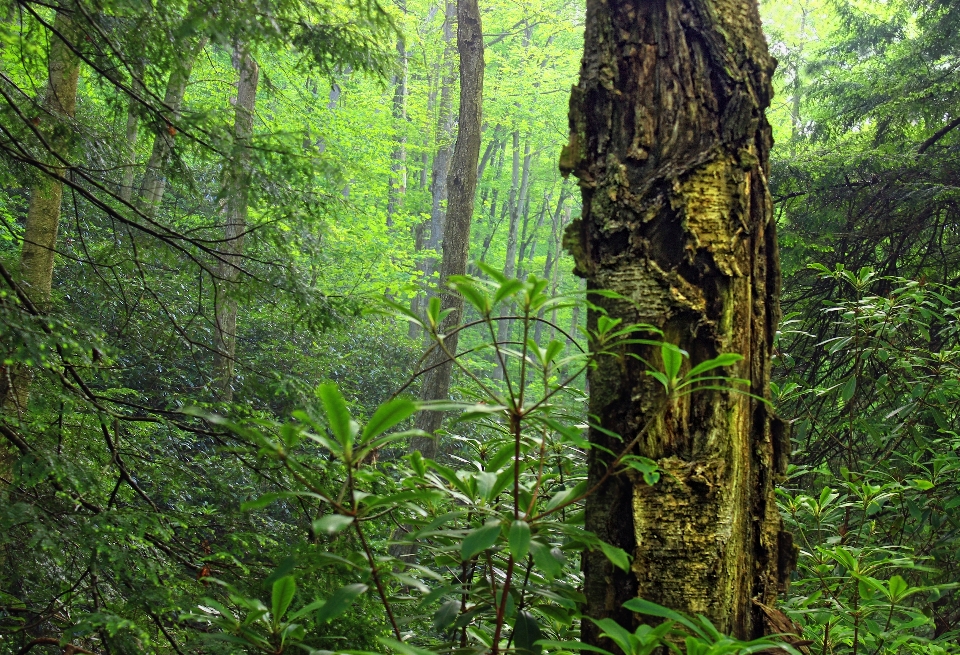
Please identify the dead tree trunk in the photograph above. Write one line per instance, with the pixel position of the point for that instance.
(236, 198)
(670, 145)
(461, 192)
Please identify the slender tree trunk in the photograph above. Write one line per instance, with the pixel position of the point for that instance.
(236, 198)
(43, 213)
(671, 146)
(132, 132)
(154, 177)
(518, 199)
(441, 161)
(553, 252)
(397, 187)
(462, 189)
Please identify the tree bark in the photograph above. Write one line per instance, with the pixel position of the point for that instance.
(441, 161)
(236, 198)
(518, 192)
(461, 192)
(397, 186)
(133, 130)
(154, 177)
(670, 145)
(43, 214)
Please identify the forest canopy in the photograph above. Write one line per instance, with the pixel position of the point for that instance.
(345, 326)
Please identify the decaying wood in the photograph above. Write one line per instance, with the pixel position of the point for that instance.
(670, 146)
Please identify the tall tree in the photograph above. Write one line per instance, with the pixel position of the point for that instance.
(670, 144)
(236, 198)
(461, 193)
(43, 213)
(154, 177)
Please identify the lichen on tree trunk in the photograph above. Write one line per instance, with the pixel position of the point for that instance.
(670, 146)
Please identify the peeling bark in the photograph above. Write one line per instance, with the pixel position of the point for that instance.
(671, 148)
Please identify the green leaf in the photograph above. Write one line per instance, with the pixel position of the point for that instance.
(338, 416)
(282, 596)
(850, 388)
(642, 606)
(303, 611)
(672, 360)
(403, 648)
(724, 359)
(898, 587)
(331, 524)
(617, 556)
(479, 540)
(519, 539)
(526, 632)
(387, 416)
(261, 502)
(506, 290)
(616, 632)
(572, 645)
(546, 562)
(446, 615)
(338, 603)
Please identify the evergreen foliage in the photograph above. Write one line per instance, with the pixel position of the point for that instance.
(141, 512)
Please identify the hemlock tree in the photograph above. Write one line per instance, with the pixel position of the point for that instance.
(670, 146)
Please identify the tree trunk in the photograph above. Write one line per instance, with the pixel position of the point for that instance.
(133, 130)
(518, 198)
(441, 161)
(461, 191)
(670, 145)
(43, 213)
(154, 177)
(397, 186)
(236, 196)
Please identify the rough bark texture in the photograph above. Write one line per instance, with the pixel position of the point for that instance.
(237, 191)
(670, 146)
(154, 177)
(461, 192)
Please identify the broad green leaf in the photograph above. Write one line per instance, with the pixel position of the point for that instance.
(479, 540)
(672, 360)
(849, 388)
(338, 416)
(545, 561)
(519, 539)
(338, 603)
(898, 587)
(617, 556)
(303, 611)
(620, 636)
(281, 597)
(725, 359)
(403, 648)
(446, 615)
(331, 524)
(526, 632)
(387, 416)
